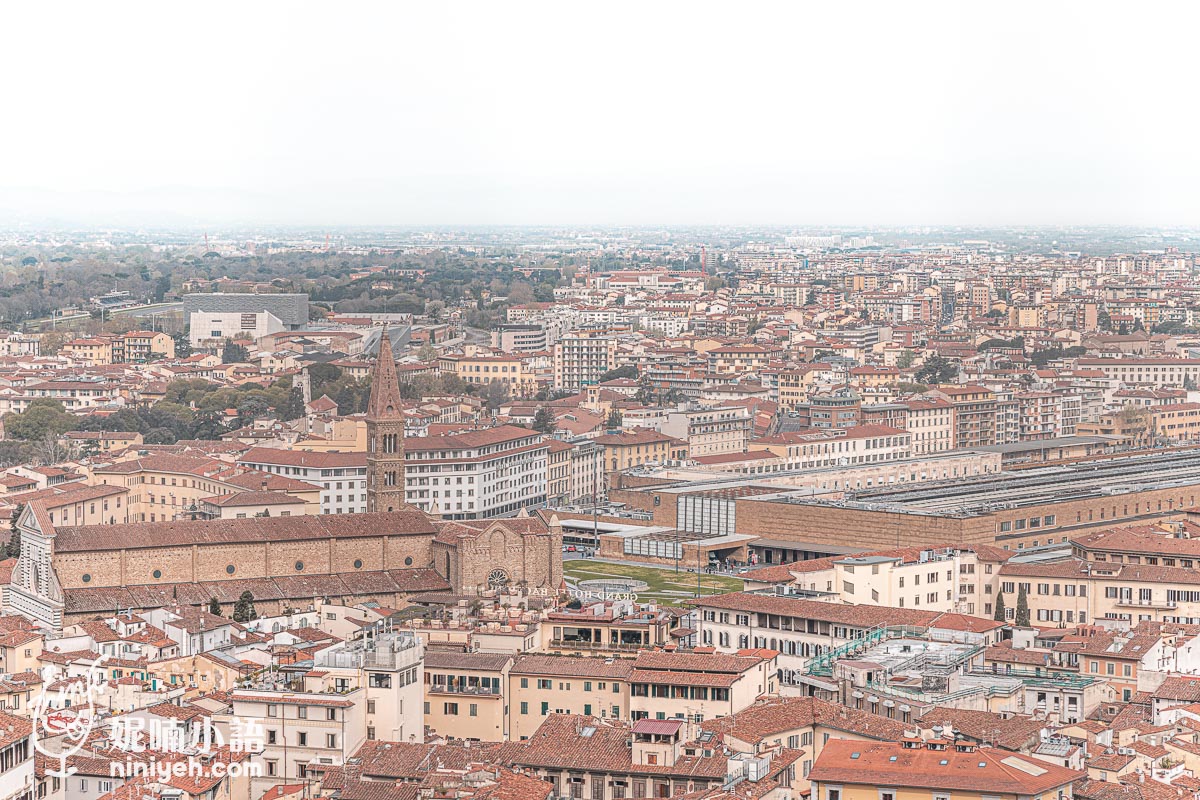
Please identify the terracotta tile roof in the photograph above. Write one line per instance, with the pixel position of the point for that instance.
(137, 535)
(105, 599)
(1015, 732)
(302, 458)
(845, 614)
(573, 666)
(988, 770)
(776, 715)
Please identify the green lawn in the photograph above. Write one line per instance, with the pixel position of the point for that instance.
(666, 586)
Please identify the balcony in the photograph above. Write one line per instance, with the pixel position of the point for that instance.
(581, 645)
(1129, 602)
(475, 691)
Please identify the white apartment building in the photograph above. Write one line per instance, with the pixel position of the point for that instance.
(580, 360)
(341, 476)
(1146, 371)
(17, 780)
(862, 444)
(710, 431)
(390, 667)
(477, 475)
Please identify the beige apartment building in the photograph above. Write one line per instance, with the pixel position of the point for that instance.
(166, 487)
(242, 505)
(695, 687)
(711, 431)
(1119, 576)
(634, 448)
(931, 424)
(484, 369)
(540, 685)
(466, 695)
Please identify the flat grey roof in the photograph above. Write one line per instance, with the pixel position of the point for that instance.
(1047, 444)
(985, 494)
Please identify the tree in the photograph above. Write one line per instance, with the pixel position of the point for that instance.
(49, 450)
(905, 359)
(543, 421)
(937, 369)
(627, 371)
(13, 548)
(214, 606)
(234, 353)
(183, 345)
(1189, 384)
(999, 615)
(496, 394)
(43, 416)
(1022, 616)
(426, 352)
(614, 419)
(243, 609)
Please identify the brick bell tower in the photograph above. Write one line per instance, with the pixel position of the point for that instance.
(385, 434)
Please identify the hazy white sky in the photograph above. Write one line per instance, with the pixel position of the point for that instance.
(585, 112)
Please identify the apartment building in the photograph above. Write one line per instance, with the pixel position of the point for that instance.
(695, 687)
(740, 358)
(974, 413)
(800, 723)
(478, 474)
(863, 444)
(164, 487)
(634, 448)
(931, 423)
(529, 338)
(342, 477)
(75, 395)
(541, 685)
(599, 759)
(466, 695)
(17, 779)
(558, 472)
(580, 360)
(711, 431)
(484, 369)
(357, 691)
(1177, 422)
(1146, 371)
(798, 628)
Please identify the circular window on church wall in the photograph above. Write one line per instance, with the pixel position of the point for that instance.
(87, 578)
(358, 563)
(157, 573)
(299, 566)
(497, 579)
(231, 569)
(408, 561)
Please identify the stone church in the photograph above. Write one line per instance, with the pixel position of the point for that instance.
(69, 574)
